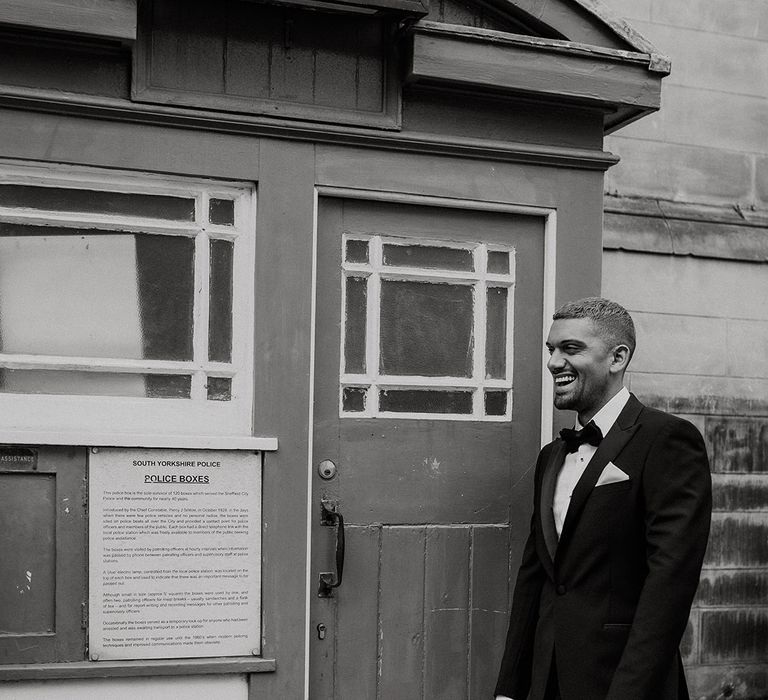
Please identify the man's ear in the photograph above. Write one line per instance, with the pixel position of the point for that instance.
(620, 356)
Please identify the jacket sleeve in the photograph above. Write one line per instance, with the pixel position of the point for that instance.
(678, 504)
(515, 674)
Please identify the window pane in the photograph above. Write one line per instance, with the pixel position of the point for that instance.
(498, 262)
(220, 307)
(168, 386)
(166, 273)
(430, 257)
(219, 389)
(98, 202)
(96, 294)
(353, 399)
(354, 333)
(496, 334)
(426, 329)
(495, 403)
(357, 252)
(425, 401)
(76, 383)
(221, 211)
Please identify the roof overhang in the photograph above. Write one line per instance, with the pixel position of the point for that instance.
(625, 85)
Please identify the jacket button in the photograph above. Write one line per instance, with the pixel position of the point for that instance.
(560, 589)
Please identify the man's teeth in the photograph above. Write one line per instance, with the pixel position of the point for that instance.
(564, 379)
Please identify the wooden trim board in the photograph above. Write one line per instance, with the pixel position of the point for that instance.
(109, 19)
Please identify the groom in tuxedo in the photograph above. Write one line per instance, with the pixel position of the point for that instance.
(620, 523)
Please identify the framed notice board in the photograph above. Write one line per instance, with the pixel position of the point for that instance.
(174, 553)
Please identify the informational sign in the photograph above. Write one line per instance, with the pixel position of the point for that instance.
(17, 458)
(174, 550)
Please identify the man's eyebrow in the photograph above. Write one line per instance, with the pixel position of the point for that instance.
(566, 341)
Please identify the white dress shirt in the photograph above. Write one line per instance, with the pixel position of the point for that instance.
(576, 462)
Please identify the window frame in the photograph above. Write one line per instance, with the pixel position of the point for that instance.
(479, 279)
(73, 417)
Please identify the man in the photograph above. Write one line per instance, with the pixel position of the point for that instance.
(619, 528)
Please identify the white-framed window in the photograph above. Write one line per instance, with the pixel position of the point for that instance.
(126, 302)
(426, 329)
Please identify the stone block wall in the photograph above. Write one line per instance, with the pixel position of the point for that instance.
(702, 354)
(709, 142)
(686, 251)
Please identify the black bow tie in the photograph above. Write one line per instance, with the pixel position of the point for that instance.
(589, 434)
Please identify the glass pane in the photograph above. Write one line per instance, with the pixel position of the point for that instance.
(426, 329)
(220, 307)
(219, 389)
(354, 333)
(168, 386)
(496, 334)
(97, 202)
(221, 211)
(96, 294)
(76, 383)
(353, 399)
(357, 252)
(495, 403)
(498, 262)
(430, 257)
(425, 401)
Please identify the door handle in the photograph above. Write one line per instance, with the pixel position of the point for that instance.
(329, 580)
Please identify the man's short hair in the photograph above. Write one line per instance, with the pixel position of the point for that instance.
(613, 321)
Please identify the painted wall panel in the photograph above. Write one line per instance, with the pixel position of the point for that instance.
(193, 688)
(430, 111)
(282, 365)
(445, 613)
(48, 137)
(489, 617)
(359, 616)
(401, 612)
(114, 19)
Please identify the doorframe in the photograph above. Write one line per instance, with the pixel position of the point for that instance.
(548, 306)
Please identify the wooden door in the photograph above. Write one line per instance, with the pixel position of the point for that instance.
(428, 403)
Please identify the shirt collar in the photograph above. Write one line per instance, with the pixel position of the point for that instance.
(607, 415)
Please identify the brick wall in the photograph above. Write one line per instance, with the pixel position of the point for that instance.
(686, 251)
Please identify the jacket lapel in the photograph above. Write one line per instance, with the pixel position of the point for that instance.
(548, 481)
(613, 443)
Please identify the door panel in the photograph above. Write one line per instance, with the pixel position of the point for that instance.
(435, 509)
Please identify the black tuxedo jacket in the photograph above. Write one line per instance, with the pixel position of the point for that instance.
(610, 601)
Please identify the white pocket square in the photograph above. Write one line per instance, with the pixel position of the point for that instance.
(611, 475)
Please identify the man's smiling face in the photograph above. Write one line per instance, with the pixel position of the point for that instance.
(580, 362)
